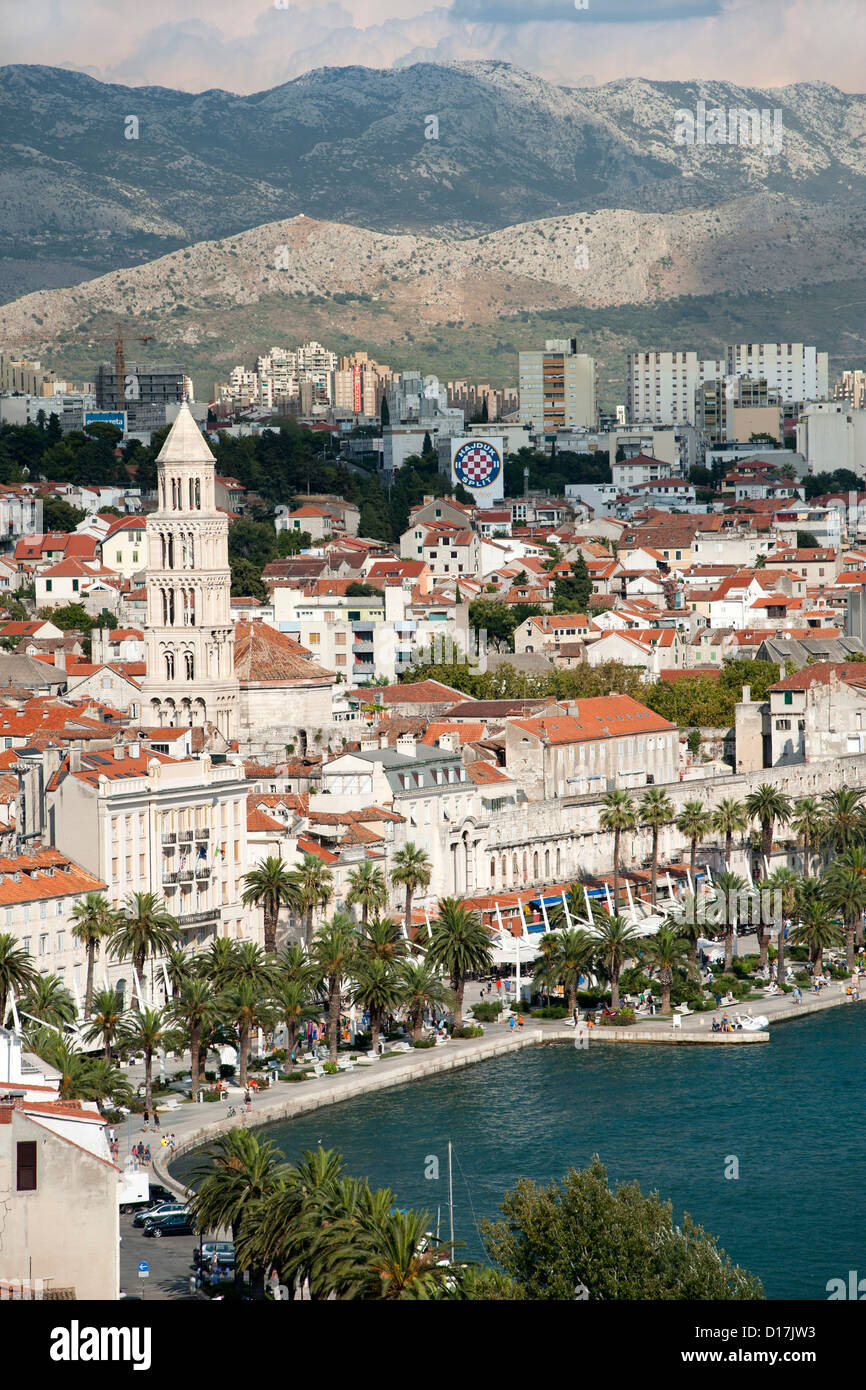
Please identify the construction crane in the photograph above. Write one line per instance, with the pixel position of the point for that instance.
(120, 362)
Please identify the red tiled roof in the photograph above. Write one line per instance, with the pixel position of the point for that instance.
(609, 716)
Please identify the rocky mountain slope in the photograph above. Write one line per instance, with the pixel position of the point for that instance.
(349, 145)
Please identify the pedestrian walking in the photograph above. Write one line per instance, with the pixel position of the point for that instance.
(156, 1121)
(147, 1155)
(248, 1100)
(146, 1118)
(172, 1141)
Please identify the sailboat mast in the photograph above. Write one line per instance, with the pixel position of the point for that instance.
(450, 1203)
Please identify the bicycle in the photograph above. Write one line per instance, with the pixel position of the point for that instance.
(230, 1112)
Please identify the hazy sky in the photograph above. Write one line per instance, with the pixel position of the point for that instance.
(249, 45)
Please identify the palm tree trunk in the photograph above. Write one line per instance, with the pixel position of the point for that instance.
(334, 1017)
(408, 912)
(850, 929)
(365, 908)
(729, 847)
(270, 931)
(244, 1052)
(729, 947)
(818, 962)
(375, 1027)
(616, 843)
(693, 864)
(308, 928)
(417, 1024)
(763, 944)
(807, 855)
(194, 1050)
(291, 1035)
(780, 955)
(766, 847)
(665, 979)
(139, 975)
(459, 985)
(614, 989)
(655, 867)
(106, 1051)
(88, 988)
(148, 1078)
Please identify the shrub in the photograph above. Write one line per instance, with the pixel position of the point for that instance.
(426, 1042)
(331, 1068)
(738, 988)
(487, 1011)
(210, 1095)
(210, 1076)
(294, 1075)
(550, 1011)
(623, 1019)
(113, 1117)
(226, 1070)
(467, 1031)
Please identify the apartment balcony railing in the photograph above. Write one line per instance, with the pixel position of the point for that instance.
(203, 872)
(169, 838)
(202, 834)
(185, 875)
(185, 837)
(170, 876)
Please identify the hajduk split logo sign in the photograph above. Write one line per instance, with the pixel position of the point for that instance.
(477, 465)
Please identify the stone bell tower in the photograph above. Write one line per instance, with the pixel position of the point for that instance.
(189, 638)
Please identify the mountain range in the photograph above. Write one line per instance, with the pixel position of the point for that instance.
(532, 200)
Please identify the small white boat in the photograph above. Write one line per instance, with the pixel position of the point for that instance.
(750, 1024)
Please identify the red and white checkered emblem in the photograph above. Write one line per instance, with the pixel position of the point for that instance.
(477, 464)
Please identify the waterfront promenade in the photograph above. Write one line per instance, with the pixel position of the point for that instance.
(195, 1124)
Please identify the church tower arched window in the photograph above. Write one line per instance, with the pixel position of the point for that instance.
(169, 666)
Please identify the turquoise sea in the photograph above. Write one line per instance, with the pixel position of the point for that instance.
(791, 1114)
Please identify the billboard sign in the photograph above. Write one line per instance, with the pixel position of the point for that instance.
(107, 417)
(478, 465)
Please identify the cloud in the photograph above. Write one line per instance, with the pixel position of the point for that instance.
(251, 45)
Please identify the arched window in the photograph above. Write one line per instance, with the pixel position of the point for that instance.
(504, 869)
(535, 867)
(558, 861)
(198, 495)
(189, 666)
(169, 666)
(525, 865)
(492, 872)
(514, 869)
(191, 494)
(547, 863)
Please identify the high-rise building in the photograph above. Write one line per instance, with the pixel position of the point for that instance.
(360, 383)
(661, 386)
(558, 387)
(189, 636)
(147, 389)
(851, 387)
(797, 371)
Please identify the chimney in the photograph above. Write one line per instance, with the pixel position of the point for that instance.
(60, 659)
(134, 749)
(75, 760)
(119, 752)
(406, 744)
(747, 694)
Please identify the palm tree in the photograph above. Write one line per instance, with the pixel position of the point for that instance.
(729, 819)
(93, 920)
(545, 976)
(100, 1081)
(181, 966)
(655, 810)
(385, 940)
(818, 928)
(665, 952)
(248, 962)
(461, 946)
(845, 883)
(377, 989)
(49, 1001)
(234, 1175)
(411, 871)
(292, 964)
(144, 928)
(270, 886)
(288, 1223)
(314, 885)
(367, 888)
(333, 955)
(17, 971)
(808, 822)
(614, 940)
(729, 890)
(247, 1004)
(292, 1004)
(218, 961)
(617, 814)
(147, 1031)
(767, 805)
(570, 958)
(420, 988)
(694, 822)
(787, 883)
(844, 818)
(192, 1009)
(106, 1019)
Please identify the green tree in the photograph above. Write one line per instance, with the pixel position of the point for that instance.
(270, 886)
(193, 1009)
(145, 928)
(333, 953)
(565, 961)
(49, 1001)
(617, 815)
(808, 822)
(817, 930)
(729, 896)
(843, 818)
(314, 885)
(411, 872)
(420, 988)
(367, 889)
(17, 971)
(576, 590)
(770, 807)
(93, 921)
(293, 1004)
(106, 1020)
(694, 822)
(235, 1173)
(147, 1031)
(461, 946)
(557, 1239)
(248, 1006)
(664, 953)
(377, 989)
(615, 940)
(845, 886)
(729, 819)
(655, 810)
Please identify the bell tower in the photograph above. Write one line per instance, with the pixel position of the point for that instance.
(189, 638)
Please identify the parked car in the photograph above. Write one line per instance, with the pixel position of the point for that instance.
(156, 1209)
(173, 1223)
(201, 1256)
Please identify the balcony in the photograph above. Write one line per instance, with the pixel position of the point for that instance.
(202, 834)
(185, 837)
(170, 876)
(185, 876)
(203, 871)
(170, 838)
(198, 919)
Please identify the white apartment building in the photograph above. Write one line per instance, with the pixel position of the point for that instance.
(558, 387)
(38, 894)
(797, 371)
(145, 822)
(640, 468)
(660, 386)
(832, 435)
(851, 387)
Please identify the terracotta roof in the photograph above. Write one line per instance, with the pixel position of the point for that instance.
(34, 884)
(608, 716)
(466, 733)
(820, 673)
(414, 693)
(483, 773)
(260, 820)
(264, 655)
(308, 846)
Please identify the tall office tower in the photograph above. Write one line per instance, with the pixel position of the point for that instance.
(558, 388)
(189, 636)
(661, 386)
